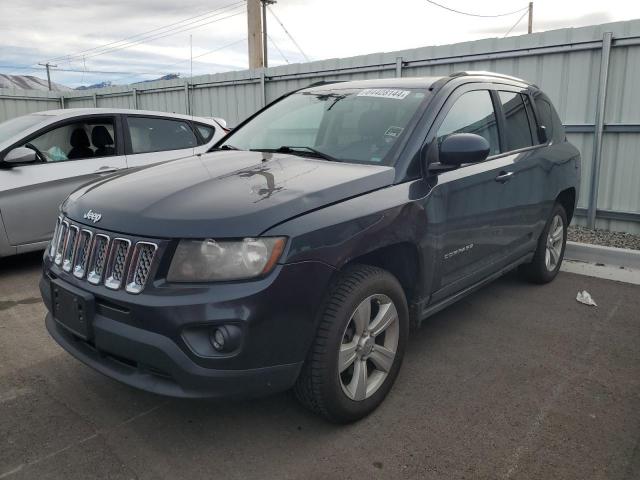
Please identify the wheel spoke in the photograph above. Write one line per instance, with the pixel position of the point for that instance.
(362, 316)
(554, 255)
(387, 314)
(347, 355)
(557, 234)
(547, 257)
(358, 384)
(382, 358)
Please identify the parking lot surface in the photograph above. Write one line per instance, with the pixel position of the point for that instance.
(515, 381)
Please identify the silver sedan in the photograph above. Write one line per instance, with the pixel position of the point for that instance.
(44, 156)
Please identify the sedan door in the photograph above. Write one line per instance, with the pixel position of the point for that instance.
(156, 139)
(72, 153)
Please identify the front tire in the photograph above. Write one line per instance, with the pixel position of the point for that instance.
(550, 251)
(359, 346)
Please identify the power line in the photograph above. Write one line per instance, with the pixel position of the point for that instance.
(288, 34)
(278, 48)
(167, 30)
(516, 24)
(474, 14)
(164, 67)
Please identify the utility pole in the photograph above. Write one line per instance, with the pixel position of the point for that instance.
(530, 30)
(48, 74)
(254, 23)
(265, 55)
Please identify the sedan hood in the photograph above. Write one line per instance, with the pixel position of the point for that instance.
(220, 194)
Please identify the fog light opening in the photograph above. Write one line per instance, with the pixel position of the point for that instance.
(226, 338)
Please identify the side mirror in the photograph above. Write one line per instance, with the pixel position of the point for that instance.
(20, 155)
(462, 148)
(542, 134)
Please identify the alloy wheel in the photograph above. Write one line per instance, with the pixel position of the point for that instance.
(369, 346)
(554, 243)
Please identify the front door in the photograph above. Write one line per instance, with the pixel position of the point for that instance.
(72, 154)
(468, 208)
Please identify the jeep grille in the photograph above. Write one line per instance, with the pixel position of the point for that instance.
(100, 259)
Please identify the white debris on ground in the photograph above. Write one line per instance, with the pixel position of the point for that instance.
(585, 297)
(603, 237)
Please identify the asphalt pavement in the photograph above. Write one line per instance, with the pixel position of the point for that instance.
(516, 381)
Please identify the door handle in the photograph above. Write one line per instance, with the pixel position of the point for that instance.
(107, 170)
(504, 177)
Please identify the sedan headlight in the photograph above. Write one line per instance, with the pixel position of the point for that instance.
(212, 260)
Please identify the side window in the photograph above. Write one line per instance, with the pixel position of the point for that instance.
(74, 141)
(517, 131)
(472, 113)
(205, 131)
(157, 134)
(548, 117)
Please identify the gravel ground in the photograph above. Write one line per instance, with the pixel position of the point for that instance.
(604, 237)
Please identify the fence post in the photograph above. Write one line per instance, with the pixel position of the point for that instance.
(134, 93)
(599, 128)
(62, 101)
(95, 100)
(398, 67)
(263, 88)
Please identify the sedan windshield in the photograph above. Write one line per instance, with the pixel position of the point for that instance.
(17, 125)
(355, 125)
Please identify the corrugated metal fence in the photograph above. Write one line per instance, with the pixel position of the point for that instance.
(592, 75)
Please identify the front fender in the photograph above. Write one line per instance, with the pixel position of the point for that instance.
(339, 233)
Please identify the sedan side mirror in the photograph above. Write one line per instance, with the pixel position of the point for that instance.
(542, 134)
(20, 155)
(462, 148)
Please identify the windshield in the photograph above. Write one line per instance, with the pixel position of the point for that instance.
(359, 125)
(17, 125)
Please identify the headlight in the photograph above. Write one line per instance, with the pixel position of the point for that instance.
(211, 260)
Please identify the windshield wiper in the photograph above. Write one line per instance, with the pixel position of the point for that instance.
(226, 146)
(305, 150)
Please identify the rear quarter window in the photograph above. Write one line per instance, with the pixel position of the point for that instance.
(548, 117)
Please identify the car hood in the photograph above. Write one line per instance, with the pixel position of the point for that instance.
(220, 194)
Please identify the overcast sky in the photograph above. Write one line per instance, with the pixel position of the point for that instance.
(38, 30)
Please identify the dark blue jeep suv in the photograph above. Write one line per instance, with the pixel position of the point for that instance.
(300, 250)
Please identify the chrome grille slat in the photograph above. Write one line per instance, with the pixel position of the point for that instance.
(98, 258)
(140, 268)
(54, 239)
(62, 240)
(70, 248)
(82, 253)
(115, 267)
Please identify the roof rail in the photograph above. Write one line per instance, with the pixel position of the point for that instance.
(487, 74)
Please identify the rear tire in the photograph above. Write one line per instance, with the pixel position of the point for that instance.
(359, 346)
(549, 254)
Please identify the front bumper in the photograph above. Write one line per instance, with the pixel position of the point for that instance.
(154, 363)
(146, 341)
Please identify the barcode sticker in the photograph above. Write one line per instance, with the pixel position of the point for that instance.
(384, 93)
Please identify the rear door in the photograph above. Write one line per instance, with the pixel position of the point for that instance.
(74, 152)
(468, 207)
(525, 189)
(157, 139)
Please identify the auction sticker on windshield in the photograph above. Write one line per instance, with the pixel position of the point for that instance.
(384, 93)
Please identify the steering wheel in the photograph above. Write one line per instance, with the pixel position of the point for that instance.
(39, 154)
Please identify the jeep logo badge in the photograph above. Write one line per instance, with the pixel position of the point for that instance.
(93, 216)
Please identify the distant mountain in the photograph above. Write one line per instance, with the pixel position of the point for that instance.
(29, 82)
(170, 76)
(95, 85)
